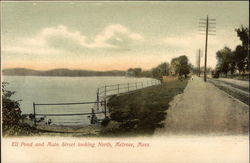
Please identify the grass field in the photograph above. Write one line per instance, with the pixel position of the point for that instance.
(142, 111)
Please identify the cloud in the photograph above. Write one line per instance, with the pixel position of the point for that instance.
(115, 35)
(60, 39)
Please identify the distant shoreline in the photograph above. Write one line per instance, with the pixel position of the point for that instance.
(60, 72)
(73, 76)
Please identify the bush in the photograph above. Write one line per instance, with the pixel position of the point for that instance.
(112, 127)
(105, 122)
(11, 112)
(11, 116)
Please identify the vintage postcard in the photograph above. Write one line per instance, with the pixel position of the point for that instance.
(125, 81)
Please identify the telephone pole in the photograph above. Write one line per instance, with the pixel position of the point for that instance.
(199, 63)
(198, 56)
(209, 25)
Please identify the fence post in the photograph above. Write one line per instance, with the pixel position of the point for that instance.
(97, 96)
(105, 89)
(128, 87)
(34, 109)
(118, 86)
(105, 107)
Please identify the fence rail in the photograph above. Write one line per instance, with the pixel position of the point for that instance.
(77, 103)
(68, 114)
(108, 90)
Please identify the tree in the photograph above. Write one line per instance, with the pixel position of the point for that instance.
(161, 70)
(174, 68)
(164, 68)
(135, 71)
(243, 34)
(156, 73)
(242, 51)
(225, 58)
(232, 64)
(146, 74)
(11, 112)
(11, 116)
(180, 66)
(184, 66)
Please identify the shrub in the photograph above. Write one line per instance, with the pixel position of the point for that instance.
(11, 112)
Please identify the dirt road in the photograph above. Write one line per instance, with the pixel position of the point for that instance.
(236, 88)
(205, 109)
(236, 82)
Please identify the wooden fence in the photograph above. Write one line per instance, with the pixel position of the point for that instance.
(69, 114)
(108, 90)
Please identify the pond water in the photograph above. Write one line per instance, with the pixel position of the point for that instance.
(39, 89)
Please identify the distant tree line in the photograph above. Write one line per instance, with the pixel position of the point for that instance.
(196, 70)
(178, 66)
(60, 72)
(229, 61)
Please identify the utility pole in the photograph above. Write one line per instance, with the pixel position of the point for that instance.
(205, 64)
(199, 63)
(208, 29)
(199, 55)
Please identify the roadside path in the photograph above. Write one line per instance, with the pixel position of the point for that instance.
(236, 82)
(205, 109)
(238, 91)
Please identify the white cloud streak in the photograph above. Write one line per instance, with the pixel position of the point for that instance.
(60, 39)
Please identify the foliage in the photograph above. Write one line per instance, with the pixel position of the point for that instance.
(180, 66)
(242, 51)
(243, 34)
(146, 74)
(11, 112)
(164, 68)
(225, 58)
(136, 71)
(21, 130)
(156, 72)
(11, 116)
(241, 58)
(238, 59)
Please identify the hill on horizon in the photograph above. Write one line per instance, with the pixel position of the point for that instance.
(60, 72)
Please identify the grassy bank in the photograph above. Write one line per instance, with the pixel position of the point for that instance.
(20, 130)
(24, 130)
(142, 111)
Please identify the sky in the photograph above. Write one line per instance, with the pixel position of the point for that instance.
(114, 35)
